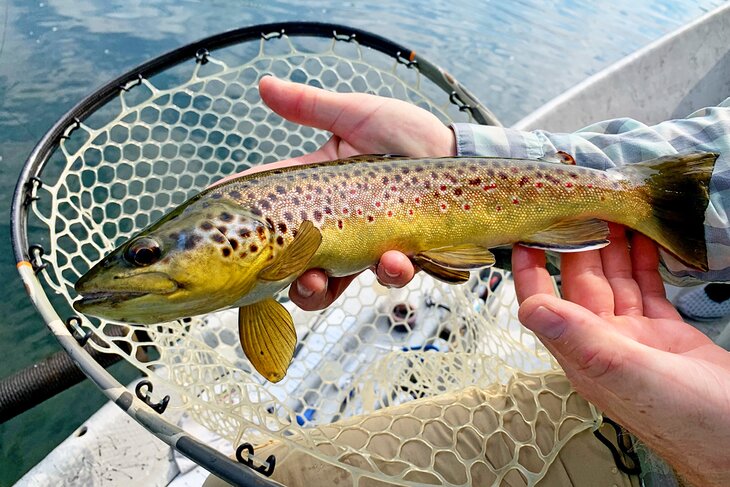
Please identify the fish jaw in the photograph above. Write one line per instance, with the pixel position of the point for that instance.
(127, 297)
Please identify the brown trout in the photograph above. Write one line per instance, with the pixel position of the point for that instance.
(239, 243)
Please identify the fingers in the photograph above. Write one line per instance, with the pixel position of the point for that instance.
(584, 282)
(581, 341)
(395, 269)
(645, 262)
(618, 271)
(369, 124)
(322, 109)
(313, 290)
(529, 273)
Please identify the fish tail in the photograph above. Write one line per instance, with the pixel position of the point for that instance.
(677, 190)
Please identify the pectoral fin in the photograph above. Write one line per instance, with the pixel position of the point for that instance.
(571, 236)
(296, 256)
(268, 337)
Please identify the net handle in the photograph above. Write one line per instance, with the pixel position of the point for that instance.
(37, 159)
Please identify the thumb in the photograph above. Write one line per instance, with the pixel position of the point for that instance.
(588, 347)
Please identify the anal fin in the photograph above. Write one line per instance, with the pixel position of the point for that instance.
(571, 236)
(268, 338)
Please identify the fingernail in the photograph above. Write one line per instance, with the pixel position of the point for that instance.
(304, 291)
(546, 322)
(390, 274)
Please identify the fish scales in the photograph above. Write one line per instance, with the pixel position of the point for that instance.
(241, 242)
(365, 208)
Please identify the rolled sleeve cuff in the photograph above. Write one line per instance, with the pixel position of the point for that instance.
(489, 141)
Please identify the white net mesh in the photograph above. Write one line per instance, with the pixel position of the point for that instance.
(162, 140)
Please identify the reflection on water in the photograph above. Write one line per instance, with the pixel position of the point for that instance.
(512, 55)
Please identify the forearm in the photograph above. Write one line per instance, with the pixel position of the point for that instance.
(624, 141)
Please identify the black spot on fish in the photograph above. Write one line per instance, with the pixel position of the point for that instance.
(192, 241)
(288, 217)
(216, 196)
(206, 226)
(282, 227)
(244, 232)
(253, 248)
(235, 194)
(317, 215)
(271, 196)
(223, 229)
(281, 189)
(217, 237)
(296, 201)
(264, 204)
(270, 222)
(174, 236)
(226, 217)
(226, 252)
(303, 215)
(234, 244)
(280, 240)
(256, 212)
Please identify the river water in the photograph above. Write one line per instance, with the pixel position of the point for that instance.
(513, 55)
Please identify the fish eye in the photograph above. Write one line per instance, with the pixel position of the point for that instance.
(143, 252)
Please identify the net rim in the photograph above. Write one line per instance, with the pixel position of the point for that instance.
(224, 467)
(198, 51)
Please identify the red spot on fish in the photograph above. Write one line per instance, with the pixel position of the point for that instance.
(489, 186)
(568, 185)
(345, 211)
(442, 187)
(467, 207)
(410, 212)
(524, 180)
(538, 185)
(589, 186)
(393, 188)
(308, 197)
(377, 203)
(370, 218)
(515, 201)
(475, 182)
(339, 224)
(499, 208)
(417, 200)
(457, 191)
(443, 206)
(390, 213)
(514, 170)
(359, 212)
(352, 191)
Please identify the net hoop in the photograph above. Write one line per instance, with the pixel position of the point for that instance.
(32, 263)
(197, 51)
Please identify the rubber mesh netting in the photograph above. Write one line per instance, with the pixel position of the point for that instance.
(394, 385)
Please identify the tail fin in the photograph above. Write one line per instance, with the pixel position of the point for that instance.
(677, 188)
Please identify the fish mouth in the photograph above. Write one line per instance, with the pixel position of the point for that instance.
(107, 297)
(97, 293)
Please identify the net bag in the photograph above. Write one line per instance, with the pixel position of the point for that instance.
(149, 140)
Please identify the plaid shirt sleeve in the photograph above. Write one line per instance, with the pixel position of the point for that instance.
(624, 141)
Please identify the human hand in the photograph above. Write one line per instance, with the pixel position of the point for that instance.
(625, 348)
(360, 124)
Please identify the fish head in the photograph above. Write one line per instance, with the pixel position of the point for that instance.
(195, 260)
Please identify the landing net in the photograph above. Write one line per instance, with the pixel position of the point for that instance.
(165, 135)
